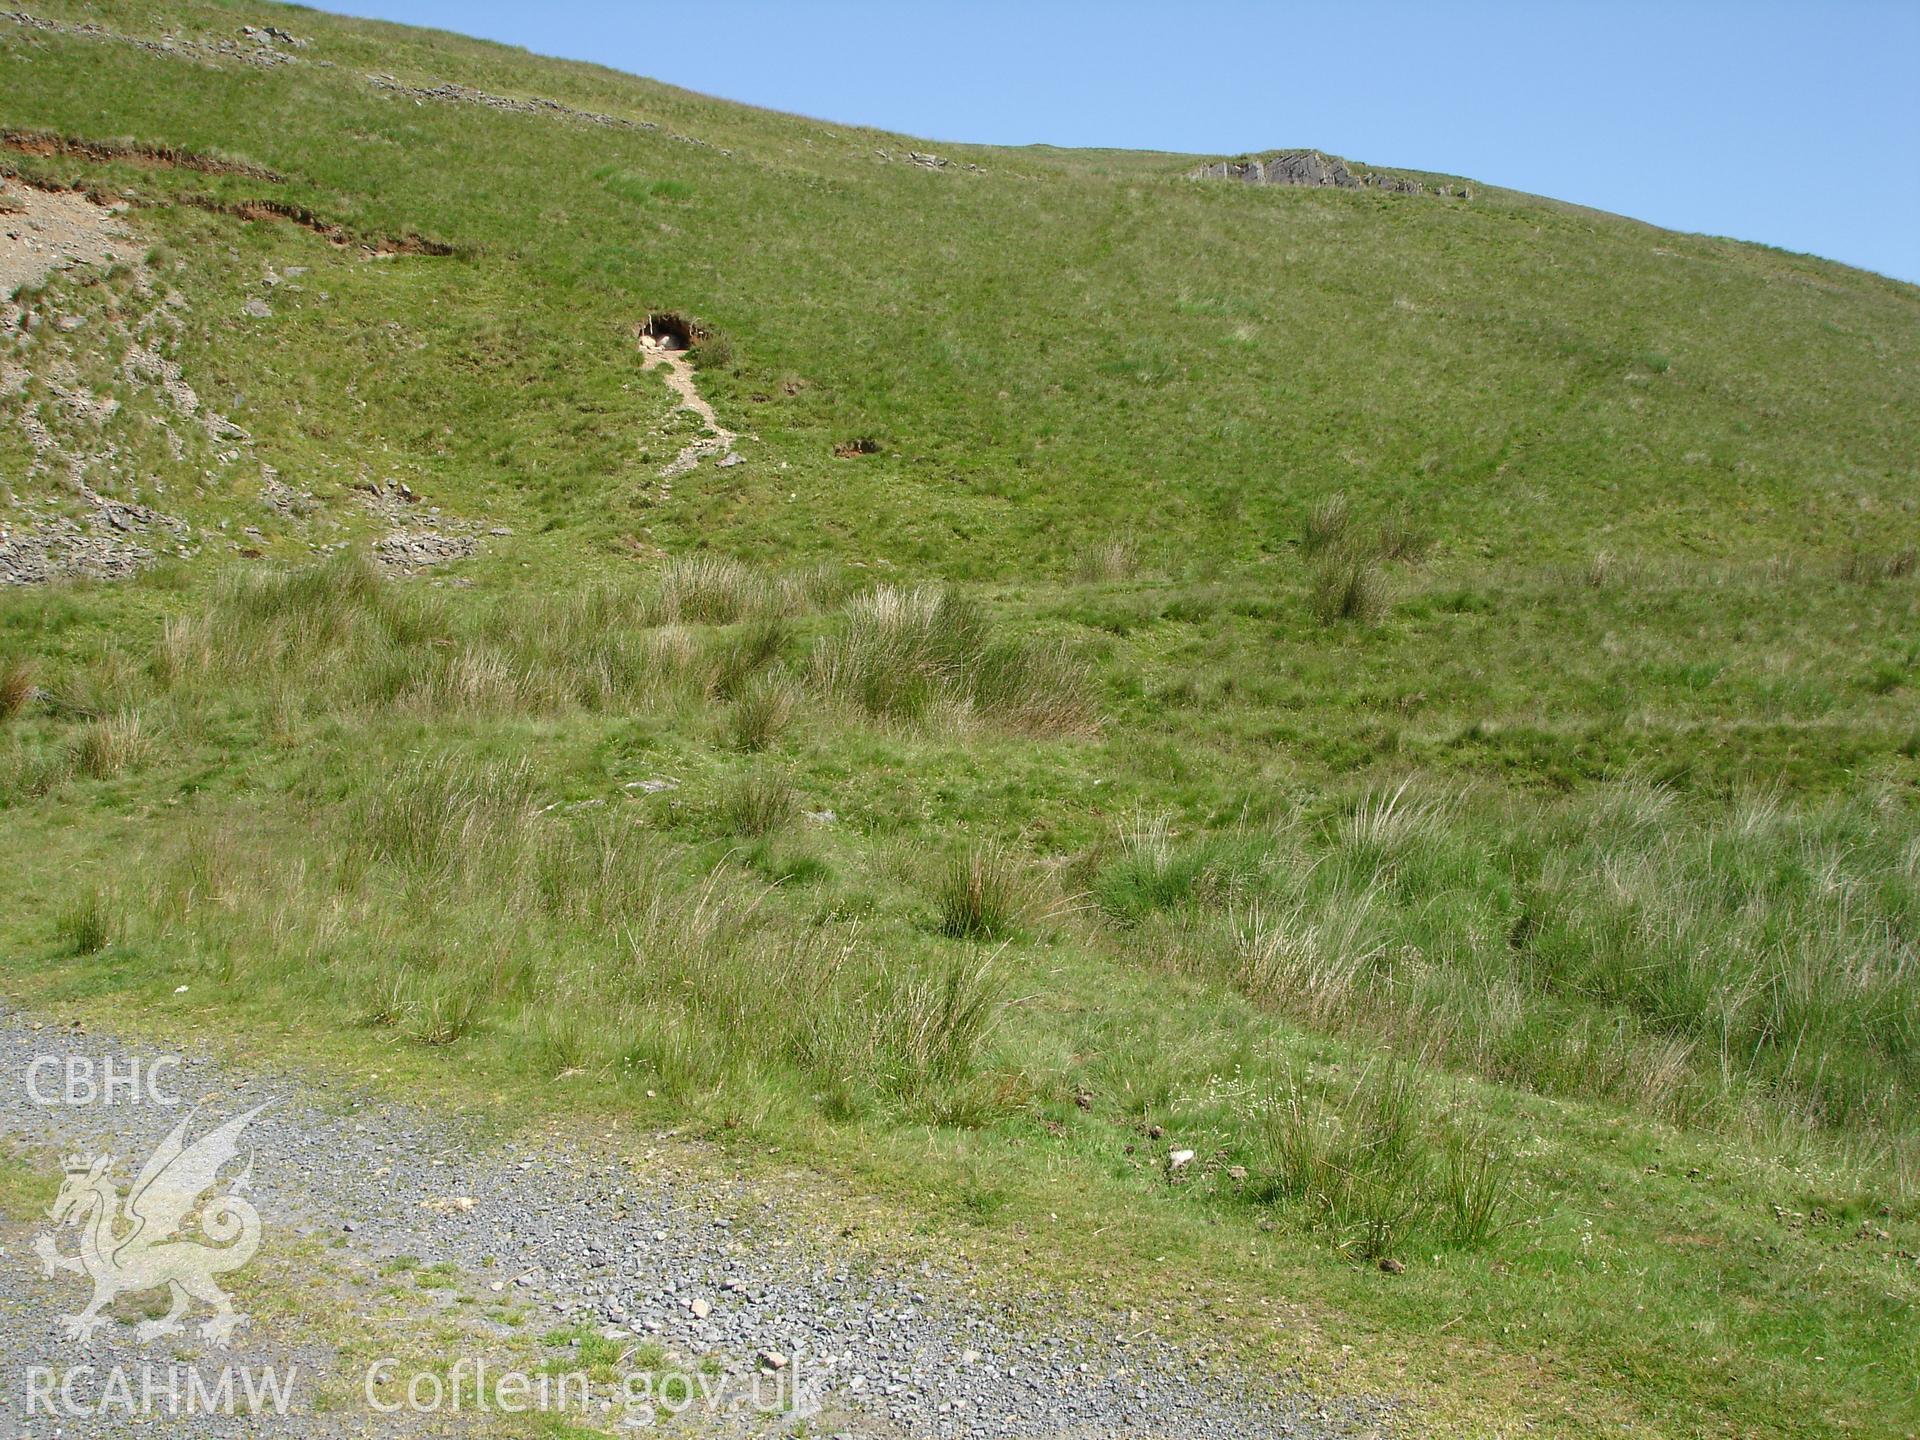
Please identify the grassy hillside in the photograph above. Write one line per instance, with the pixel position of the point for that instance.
(1409, 698)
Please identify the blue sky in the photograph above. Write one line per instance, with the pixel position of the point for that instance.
(1797, 125)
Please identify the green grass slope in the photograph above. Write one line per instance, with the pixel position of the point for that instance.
(1409, 698)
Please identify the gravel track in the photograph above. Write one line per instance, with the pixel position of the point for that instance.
(702, 1268)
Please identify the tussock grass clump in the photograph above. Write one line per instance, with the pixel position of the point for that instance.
(1862, 566)
(1384, 826)
(900, 649)
(905, 653)
(1474, 1189)
(29, 772)
(427, 1007)
(1329, 524)
(182, 650)
(439, 814)
(1155, 871)
(339, 630)
(935, 1022)
(1372, 1167)
(982, 895)
(109, 746)
(1314, 959)
(761, 712)
(704, 589)
(314, 605)
(470, 680)
(716, 351)
(87, 925)
(1349, 587)
(1107, 562)
(1038, 687)
(1402, 539)
(588, 648)
(757, 803)
(16, 686)
(736, 656)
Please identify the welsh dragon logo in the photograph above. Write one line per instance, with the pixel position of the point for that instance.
(138, 1248)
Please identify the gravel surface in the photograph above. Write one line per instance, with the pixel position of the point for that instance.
(42, 231)
(630, 1255)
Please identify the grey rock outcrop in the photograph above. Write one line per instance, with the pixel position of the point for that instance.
(1310, 168)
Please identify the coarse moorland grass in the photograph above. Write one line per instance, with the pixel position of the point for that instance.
(929, 654)
(1349, 587)
(1403, 538)
(1366, 1165)
(1107, 562)
(16, 686)
(1753, 966)
(389, 835)
(85, 927)
(762, 711)
(105, 747)
(1329, 523)
(1409, 699)
(982, 896)
(757, 803)
(459, 906)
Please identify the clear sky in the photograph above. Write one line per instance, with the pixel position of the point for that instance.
(1797, 125)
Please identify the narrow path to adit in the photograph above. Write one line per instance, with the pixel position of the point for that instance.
(670, 352)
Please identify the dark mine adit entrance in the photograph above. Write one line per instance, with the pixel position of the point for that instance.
(671, 330)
